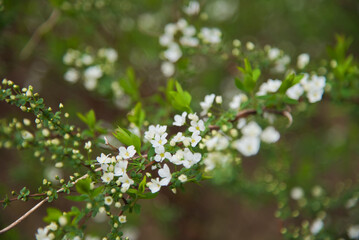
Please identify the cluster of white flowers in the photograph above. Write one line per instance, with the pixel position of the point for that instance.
(91, 67)
(192, 8)
(157, 136)
(314, 87)
(188, 36)
(279, 59)
(237, 100)
(252, 134)
(116, 166)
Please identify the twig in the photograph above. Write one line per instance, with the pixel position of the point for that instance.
(39, 32)
(30, 196)
(39, 205)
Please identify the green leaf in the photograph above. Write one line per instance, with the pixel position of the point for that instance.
(53, 215)
(129, 84)
(137, 115)
(89, 119)
(180, 100)
(77, 198)
(142, 186)
(123, 136)
(136, 141)
(83, 186)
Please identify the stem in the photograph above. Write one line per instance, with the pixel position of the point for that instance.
(39, 32)
(39, 205)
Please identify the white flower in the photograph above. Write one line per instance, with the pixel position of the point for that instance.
(297, 193)
(241, 123)
(166, 39)
(86, 59)
(171, 29)
(270, 86)
(195, 138)
(181, 24)
(189, 31)
(154, 130)
(122, 219)
(193, 117)
(192, 8)
(52, 226)
(211, 35)
(72, 75)
(125, 181)
(353, 232)
(248, 146)
(270, 135)
(317, 82)
(168, 69)
(197, 126)
(42, 234)
(107, 177)
(90, 83)
(127, 153)
(219, 99)
(182, 178)
(93, 72)
(189, 41)
(159, 140)
(120, 168)
(108, 200)
(295, 91)
(250, 46)
(315, 95)
(252, 129)
(273, 53)
(207, 103)
(161, 154)
(88, 145)
(236, 102)
(190, 158)
(178, 138)
(303, 60)
(173, 53)
(154, 185)
(110, 54)
(316, 226)
(103, 159)
(165, 174)
(180, 119)
(178, 157)
(62, 220)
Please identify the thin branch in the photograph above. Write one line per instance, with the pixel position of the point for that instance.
(39, 205)
(39, 32)
(29, 196)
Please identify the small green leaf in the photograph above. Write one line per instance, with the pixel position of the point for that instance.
(77, 198)
(53, 215)
(83, 186)
(142, 186)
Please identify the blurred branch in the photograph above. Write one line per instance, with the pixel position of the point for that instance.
(37, 206)
(39, 32)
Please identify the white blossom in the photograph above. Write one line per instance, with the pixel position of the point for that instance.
(165, 174)
(197, 126)
(182, 178)
(128, 152)
(90, 83)
(173, 53)
(273, 53)
(316, 226)
(195, 138)
(159, 140)
(303, 60)
(168, 69)
(108, 200)
(120, 168)
(103, 159)
(190, 158)
(154, 185)
(93, 72)
(207, 103)
(125, 181)
(241, 123)
(315, 95)
(248, 146)
(297, 193)
(180, 119)
(122, 219)
(161, 154)
(353, 232)
(42, 234)
(72, 75)
(211, 35)
(252, 129)
(295, 91)
(107, 177)
(192, 8)
(270, 135)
